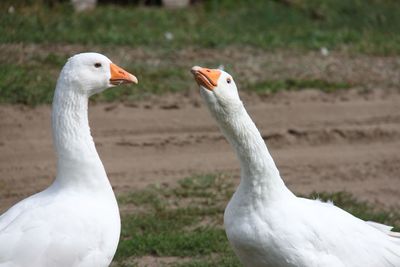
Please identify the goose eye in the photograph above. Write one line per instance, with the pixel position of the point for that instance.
(228, 80)
(97, 65)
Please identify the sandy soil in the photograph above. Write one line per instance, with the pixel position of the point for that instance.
(321, 142)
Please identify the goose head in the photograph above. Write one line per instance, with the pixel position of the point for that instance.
(91, 73)
(218, 89)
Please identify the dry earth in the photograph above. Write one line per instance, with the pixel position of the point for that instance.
(348, 140)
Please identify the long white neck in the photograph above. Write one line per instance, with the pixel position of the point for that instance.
(259, 175)
(78, 161)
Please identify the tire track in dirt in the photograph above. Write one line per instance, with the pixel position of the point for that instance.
(321, 142)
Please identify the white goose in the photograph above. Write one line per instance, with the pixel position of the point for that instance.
(75, 221)
(266, 224)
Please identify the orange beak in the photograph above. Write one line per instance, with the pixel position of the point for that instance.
(121, 76)
(207, 78)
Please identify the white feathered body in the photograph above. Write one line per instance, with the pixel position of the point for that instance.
(60, 228)
(304, 233)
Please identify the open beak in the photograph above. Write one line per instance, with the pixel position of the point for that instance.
(121, 76)
(207, 78)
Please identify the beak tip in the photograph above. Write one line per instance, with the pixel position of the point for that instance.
(134, 79)
(195, 69)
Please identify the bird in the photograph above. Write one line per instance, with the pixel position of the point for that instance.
(74, 222)
(269, 226)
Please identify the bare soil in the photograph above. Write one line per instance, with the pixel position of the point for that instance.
(343, 141)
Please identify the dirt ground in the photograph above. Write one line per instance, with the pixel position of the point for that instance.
(348, 140)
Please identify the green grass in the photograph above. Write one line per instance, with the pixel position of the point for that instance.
(186, 221)
(367, 25)
(30, 83)
(211, 27)
(15, 81)
(33, 82)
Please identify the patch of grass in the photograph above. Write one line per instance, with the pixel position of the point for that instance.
(202, 241)
(34, 82)
(182, 221)
(274, 86)
(369, 25)
(186, 221)
(31, 83)
(25, 85)
(227, 260)
(157, 80)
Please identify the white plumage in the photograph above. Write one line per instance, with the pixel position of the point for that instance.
(266, 224)
(75, 221)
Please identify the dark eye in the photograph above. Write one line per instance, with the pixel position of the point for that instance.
(228, 80)
(97, 65)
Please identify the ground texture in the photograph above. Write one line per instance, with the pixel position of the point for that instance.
(342, 141)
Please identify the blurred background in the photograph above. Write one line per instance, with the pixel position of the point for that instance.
(38, 36)
(320, 79)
